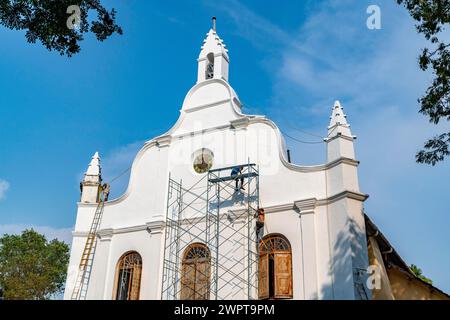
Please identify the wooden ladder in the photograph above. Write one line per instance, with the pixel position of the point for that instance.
(84, 270)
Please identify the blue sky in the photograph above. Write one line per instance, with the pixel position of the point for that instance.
(289, 61)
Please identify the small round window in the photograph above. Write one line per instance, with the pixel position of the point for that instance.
(203, 160)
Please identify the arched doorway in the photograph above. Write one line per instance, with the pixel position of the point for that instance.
(196, 270)
(275, 267)
(128, 277)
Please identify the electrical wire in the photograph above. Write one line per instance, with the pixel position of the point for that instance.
(295, 139)
(301, 141)
(284, 133)
(120, 175)
(305, 132)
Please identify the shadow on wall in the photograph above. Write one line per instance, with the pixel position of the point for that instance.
(234, 199)
(348, 281)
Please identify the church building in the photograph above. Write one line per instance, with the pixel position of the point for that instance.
(215, 209)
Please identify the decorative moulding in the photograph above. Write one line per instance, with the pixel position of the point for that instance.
(347, 194)
(306, 206)
(340, 135)
(207, 105)
(163, 141)
(105, 234)
(241, 123)
(155, 227)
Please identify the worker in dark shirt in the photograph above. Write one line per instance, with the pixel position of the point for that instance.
(105, 189)
(260, 223)
(234, 173)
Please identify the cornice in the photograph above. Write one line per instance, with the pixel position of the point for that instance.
(202, 131)
(218, 54)
(340, 135)
(240, 123)
(207, 105)
(154, 227)
(306, 206)
(163, 141)
(347, 194)
(87, 205)
(105, 234)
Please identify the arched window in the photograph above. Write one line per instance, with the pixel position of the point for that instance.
(128, 277)
(209, 66)
(196, 269)
(275, 268)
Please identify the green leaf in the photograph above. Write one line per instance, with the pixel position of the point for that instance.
(31, 267)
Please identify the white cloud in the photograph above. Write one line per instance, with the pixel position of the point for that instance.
(62, 234)
(4, 187)
(250, 25)
(364, 65)
(334, 56)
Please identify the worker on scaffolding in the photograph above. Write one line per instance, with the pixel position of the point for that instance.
(260, 223)
(235, 172)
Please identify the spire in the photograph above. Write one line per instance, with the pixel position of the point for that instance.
(90, 186)
(213, 44)
(338, 116)
(94, 168)
(213, 60)
(339, 139)
(338, 122)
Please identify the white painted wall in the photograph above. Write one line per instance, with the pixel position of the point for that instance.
(326, 233)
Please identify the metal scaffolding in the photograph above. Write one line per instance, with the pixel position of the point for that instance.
(218, 214)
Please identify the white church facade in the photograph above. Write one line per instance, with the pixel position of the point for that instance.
(188, 227)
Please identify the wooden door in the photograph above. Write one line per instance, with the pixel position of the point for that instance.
(135, 282)
(283, 275)
(202, 274)
(188, 282)
(263, 279)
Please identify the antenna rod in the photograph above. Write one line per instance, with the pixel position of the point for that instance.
(214, 23)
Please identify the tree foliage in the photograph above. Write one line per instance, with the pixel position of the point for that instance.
(47, 21)
(31, 267)
(432, 17)
(418, 272)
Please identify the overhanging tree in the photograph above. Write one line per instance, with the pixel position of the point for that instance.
(58, 24)
(31, 267)
(418, 272)
(432, 17)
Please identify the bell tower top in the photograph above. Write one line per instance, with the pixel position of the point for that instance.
(213, 60)
(214, 23)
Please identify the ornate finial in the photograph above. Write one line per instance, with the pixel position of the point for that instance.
(338, 116)
(214, 23)
(94, 165)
